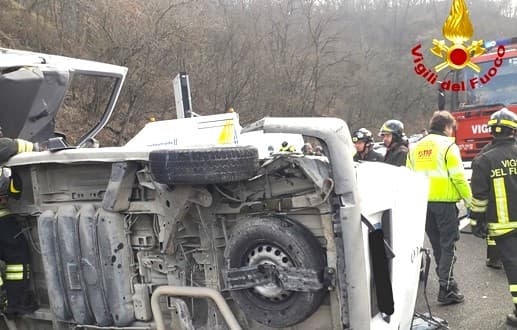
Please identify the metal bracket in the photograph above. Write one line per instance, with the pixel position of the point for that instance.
(201, 197)
(289, 278)
(175, 203)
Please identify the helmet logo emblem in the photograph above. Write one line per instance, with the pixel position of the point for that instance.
(457, 29)
(457, 54)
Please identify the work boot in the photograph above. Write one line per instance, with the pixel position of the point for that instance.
(494, 263)
(511, 320)
(450, 296)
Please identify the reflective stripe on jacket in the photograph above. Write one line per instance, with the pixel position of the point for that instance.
(10, 147)
(494, 186)
(438, 157)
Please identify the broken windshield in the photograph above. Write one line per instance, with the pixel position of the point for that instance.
(84, 106)
(501, 88)
(42, 96)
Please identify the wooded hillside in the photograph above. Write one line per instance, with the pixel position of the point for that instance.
(345, 58)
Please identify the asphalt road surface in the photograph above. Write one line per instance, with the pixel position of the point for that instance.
(487, 299)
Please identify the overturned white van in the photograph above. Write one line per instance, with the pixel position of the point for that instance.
(155, 234)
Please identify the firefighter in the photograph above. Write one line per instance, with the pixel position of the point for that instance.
(493, 259)
(494, 203)
(363, 141)
(17, 297)
(286, 147)
(10, 147)
(393, 137)
(307, 149)
(438, 157)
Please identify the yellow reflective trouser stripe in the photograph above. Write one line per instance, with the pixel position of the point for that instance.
(502, 226)
(513, 287)
(4, 212)
(24, 146)
(14, 276)
(14, 268)
(500, 200)
(490, 242)
(1, 282)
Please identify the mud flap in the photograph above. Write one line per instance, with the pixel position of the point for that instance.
(90, 265)
(115, 263)
(51, 265)
(69, 250)
(87, 265)
(381, 271)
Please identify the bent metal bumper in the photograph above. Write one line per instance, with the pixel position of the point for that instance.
(197, 292)
(352, 281)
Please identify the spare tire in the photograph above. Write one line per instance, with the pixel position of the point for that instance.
(281, 242)
(203, 165)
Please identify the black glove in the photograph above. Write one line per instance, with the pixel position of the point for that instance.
(479, 228)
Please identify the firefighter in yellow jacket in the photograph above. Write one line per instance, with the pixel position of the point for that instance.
(494, 202)
(438, 157)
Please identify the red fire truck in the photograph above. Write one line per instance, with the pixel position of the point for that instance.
(472, 97)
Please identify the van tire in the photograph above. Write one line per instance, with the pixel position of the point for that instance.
(203, 165)
(296, 246)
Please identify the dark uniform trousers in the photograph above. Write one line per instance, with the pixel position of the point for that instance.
(507, 248)
(14, 251)
(442, 229)
(491, 249)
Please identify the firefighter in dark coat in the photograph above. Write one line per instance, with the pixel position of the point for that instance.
(363, 141)
(10, 147)
(16, 297)
(393, 137)
(494, 189)
(493, 260)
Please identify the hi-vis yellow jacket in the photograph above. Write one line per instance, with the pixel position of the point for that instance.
(438, 157)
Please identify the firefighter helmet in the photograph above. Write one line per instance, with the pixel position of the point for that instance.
(362, 134)
(394, 127)
(502, 118)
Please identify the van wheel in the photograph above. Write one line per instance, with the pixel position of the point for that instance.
(203, 165)
(282, 243)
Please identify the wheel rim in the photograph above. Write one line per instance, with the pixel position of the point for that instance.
(269, 254)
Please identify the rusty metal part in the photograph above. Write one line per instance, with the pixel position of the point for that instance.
(197, 292)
